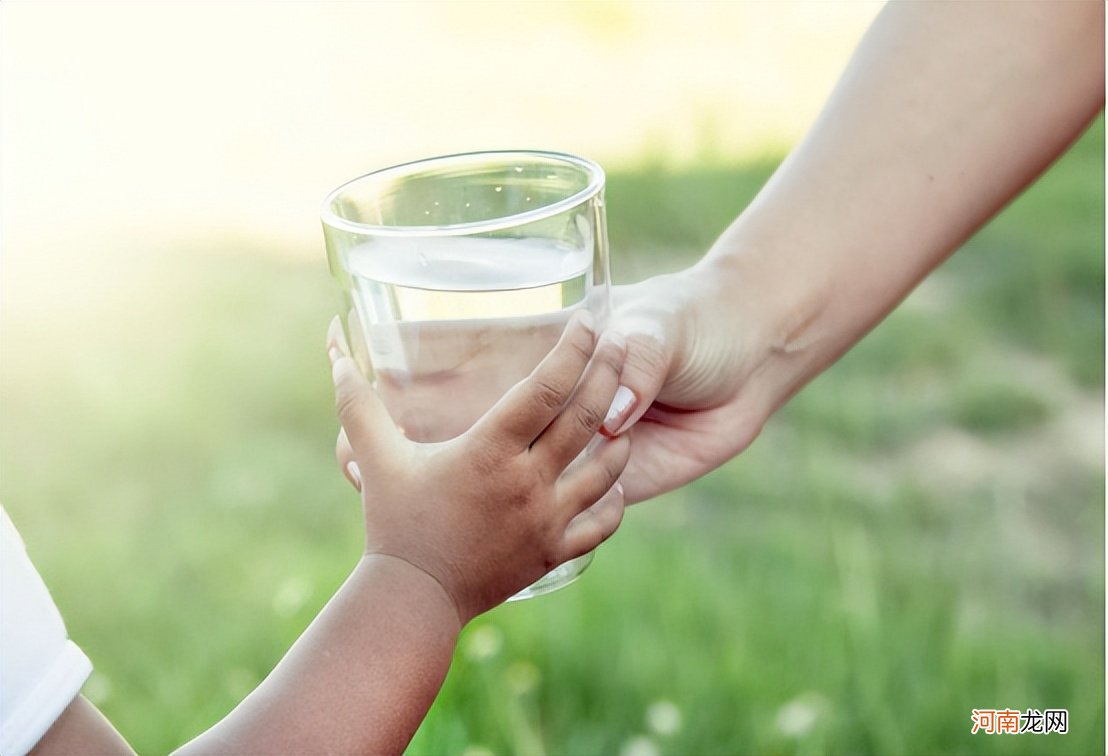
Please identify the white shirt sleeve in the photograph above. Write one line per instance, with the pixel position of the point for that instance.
(41, 670)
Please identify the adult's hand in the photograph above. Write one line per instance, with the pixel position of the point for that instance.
(684, 397)
(946, 111)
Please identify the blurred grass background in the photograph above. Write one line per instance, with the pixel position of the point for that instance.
(919, 533)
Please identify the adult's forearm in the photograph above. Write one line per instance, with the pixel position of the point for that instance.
(944, 114)
(361, 677)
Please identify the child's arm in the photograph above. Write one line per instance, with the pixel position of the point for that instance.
(452, 530)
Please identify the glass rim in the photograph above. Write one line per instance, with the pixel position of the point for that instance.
(591, 169)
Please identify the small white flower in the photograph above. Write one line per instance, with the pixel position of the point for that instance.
(663, 717)
(291, 596)
(797, 718)
(640, 745)
(483, 643)
(522, 676)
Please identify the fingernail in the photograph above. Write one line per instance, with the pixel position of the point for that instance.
(618, 489)
(622, 404)
(355, 474)
(336, 340)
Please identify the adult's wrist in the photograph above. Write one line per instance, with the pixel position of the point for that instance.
(774, 301)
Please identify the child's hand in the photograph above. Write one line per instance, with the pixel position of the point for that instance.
(490, 512)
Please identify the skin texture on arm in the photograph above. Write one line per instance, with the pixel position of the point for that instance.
(360, 678)
(943, 115)
(452, 529)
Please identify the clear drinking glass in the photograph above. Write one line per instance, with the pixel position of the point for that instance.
(459, 274)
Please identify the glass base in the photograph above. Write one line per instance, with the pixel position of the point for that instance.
(559, 577)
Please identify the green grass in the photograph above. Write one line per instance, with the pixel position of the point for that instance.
(919, 533)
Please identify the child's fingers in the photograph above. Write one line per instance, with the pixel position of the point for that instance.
(594, 475)
(592, 527)
(366, 421)
(529, 406)
(579, 422)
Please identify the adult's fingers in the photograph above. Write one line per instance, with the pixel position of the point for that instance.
(587, 480)
(344, 455)
(579, 422)
(592, 527)
(337, 345)
(529, 406)
(646, 332)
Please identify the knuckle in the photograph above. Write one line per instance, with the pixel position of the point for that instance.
(612, 469)
(646, 354)
(486, 459)
(346, 401)
(347, 393)
(581, 350)
(589, 417)
(613, 359)
(609, 523)
(548, 395)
